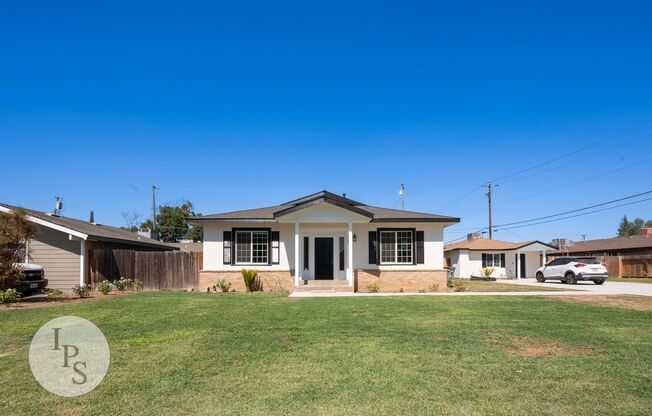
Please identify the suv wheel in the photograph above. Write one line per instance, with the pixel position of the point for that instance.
(540, 278)
(570, 278)
(598, 282)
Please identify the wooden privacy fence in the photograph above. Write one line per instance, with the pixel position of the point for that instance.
(629, 266)
(157, 269)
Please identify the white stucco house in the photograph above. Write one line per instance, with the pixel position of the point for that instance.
(325, 240)
(509, 260)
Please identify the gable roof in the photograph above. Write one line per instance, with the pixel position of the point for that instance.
(608, 244)
(477, 244)
(375, 214)
(89, 231)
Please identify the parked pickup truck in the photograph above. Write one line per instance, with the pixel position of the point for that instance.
(33, 279)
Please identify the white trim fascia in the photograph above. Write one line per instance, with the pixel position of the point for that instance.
(51, 225)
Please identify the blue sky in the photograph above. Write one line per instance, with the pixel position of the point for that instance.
(244, 104)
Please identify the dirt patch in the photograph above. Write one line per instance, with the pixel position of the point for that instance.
(537, 347)
(31, 304)
(637, 303)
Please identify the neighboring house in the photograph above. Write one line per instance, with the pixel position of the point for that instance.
(471, 256)
(328, 240)
(189, 246)
(636, 245)
(62, 245)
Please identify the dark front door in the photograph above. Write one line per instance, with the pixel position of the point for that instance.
(521, 271)
(323, 258)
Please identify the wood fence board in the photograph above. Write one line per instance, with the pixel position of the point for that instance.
(157, 269)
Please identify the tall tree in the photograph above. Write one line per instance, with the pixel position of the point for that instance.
(623, 228)
(15, 231)
(648, 224)
(172, 223)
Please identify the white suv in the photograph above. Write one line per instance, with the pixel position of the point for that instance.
(571, 269)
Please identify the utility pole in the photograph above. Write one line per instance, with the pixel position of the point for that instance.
(154, 189)
(583, 237)
(402, 193)
(490, 188)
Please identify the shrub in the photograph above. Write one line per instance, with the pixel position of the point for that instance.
(224, 285)
(53, 295)
(9, 296)
(434, 287)
(83, 291)
(251, 280)
(15, 230)
(139, 285)
(124, 284)
(450, 282)
(487, 271)
(373, 287)
(105, 287)
(459, 286)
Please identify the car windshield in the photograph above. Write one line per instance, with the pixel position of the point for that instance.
(587, 260)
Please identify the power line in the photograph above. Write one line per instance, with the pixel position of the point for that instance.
(576, 182)
(577, 215)
(575, 210)
(564, 156)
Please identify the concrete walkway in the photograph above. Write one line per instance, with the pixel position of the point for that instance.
(582, 288)
(608, 288)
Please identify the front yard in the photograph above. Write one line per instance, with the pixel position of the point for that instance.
(191, 353)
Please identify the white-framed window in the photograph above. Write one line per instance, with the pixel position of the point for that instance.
(396, 247)
(251, 247)
(493, 260)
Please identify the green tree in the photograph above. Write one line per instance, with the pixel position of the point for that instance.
(623, 228)
(627, 228)
(172, 223)
(648, 224)
(15, 231)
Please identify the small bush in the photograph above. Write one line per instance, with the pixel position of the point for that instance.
(373, 287)
(83, 291)
(53, 295)
(450, 282)
(251, 280)
(224, 285)
(105, 287)
(459, 286)
(139, 285)
(124, 284)
(9, 296)
(487, 271)
(434, 287)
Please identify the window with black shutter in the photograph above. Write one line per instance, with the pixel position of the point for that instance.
(276, 247)
(226, 247)
(373, 247)
(306, 253)
(420, 248)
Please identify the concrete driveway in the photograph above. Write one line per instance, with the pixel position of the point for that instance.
(608, 288)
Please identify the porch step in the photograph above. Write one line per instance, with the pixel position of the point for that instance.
(324, 286)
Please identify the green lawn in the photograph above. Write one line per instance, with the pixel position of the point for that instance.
(190, 353)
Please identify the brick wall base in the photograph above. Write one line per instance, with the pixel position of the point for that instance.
(400, 280)
(273, 281)
(387, 280)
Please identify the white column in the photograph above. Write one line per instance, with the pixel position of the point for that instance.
(82, 262)
(544, 257)
(297, 239)
(518, 264)
(349, 268)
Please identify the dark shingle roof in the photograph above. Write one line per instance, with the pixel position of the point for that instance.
(490, 245)
(608, 244)
(97, 232)
(376, 214)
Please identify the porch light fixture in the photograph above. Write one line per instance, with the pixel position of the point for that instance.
(355, 238)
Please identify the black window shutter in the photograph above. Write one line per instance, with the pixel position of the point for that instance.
(420, 251)
(306, 253)
(484, 260)
(275, 247)
(373, 247)
(226, 247)
(502, 260)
